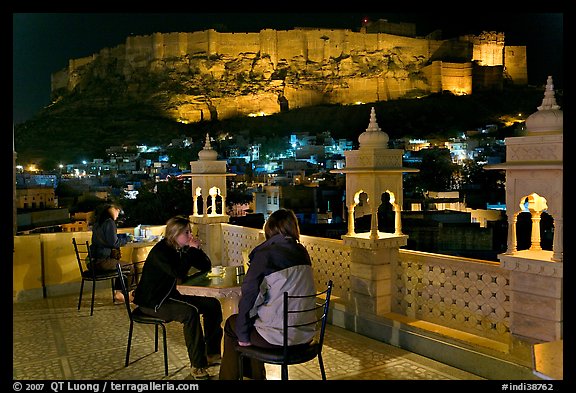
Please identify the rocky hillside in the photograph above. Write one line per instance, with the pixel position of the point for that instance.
(73, 130)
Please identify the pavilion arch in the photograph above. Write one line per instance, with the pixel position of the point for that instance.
(358, 200)
(197, 197)
(535, 207)
(215, 202)
(362, 199)
(388, 197)
(211, 204)
(361, 204)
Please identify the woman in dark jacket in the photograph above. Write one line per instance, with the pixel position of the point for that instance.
(169, 262)
(104, 239)
(279, 264)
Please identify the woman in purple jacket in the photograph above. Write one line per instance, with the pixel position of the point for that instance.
(277, 265)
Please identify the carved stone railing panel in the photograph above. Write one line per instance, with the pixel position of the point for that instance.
(331, 261)
(465, 294)
(237, 240)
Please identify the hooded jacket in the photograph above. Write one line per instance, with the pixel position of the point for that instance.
(163, 267)
(277, 265)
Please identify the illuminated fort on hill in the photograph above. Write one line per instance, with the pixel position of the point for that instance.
(223, 75)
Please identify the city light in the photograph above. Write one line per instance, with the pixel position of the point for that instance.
(257, 114)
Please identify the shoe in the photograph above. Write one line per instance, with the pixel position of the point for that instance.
(199, 373)
(214, 359)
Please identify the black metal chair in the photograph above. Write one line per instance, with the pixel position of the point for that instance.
(137, 316)
(84, 258)
(288, 355)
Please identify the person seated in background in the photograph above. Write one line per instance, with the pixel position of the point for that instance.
(167, 264)
(106, 244)
(279, 264)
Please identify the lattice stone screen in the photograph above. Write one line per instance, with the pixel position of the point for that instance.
(237, 240)
(331, 261)
(465, 294)
(470, 295)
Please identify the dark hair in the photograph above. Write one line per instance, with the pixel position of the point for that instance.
(102, 212)
(282, 221)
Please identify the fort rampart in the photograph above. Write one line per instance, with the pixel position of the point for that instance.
(314, 45)
(332, 66)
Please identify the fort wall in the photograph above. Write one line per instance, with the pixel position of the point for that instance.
(315, 45)
(515, 64)
(312, 45)
(346, 59)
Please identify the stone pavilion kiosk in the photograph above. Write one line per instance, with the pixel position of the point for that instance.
(208, 176)
(373, 170)
(534, 185)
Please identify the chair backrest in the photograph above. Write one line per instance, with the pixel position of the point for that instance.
(123, 279)
(298, 313)
(83, 256)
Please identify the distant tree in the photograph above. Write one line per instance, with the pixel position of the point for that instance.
(436, 170)
(471, 172)
(156, 203)
(490, 183)
(238, 196)
(48, 164)
(67, 195)
(86, 204)
(274, 145)
(182, 156)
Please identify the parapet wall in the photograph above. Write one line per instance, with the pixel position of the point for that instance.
(311, 45)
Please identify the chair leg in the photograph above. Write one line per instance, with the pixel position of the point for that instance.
(80, 296)
(241, 367)
(165, 349)
(93, 294)
(112, 286)
(129, 344)
(284, 372)
(322, 371)
(156, 338)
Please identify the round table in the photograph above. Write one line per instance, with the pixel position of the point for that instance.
(225, 287)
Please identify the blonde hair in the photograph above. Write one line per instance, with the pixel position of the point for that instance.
(282, 221)
(174, 227)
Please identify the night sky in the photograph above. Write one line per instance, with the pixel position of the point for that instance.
(44, 42)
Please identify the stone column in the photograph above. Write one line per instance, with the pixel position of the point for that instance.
(536, 297)
(351, 220)
(371, 268)
(557, 245)
(210, 232)
(511, 249)
(374, 222)
(535, 235)
(397, 220)
(195, 205)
